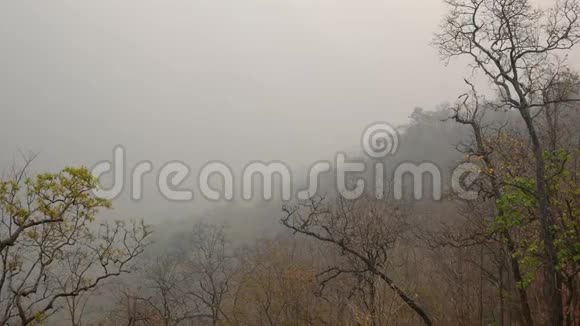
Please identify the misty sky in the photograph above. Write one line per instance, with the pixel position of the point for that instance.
(201, 80)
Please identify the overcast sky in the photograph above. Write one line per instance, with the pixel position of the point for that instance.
(201, 80)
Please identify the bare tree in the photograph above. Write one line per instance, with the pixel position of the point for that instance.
(166, 292)
(363, 230)
(130, 310)
(275, 285)
(211, 267)
(515, 45)
(469, 111)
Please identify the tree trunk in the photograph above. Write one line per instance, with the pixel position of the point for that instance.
(514, 264)
(408, 300)
(553, 281)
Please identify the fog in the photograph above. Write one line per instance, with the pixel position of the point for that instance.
(293, 82)
(204, 80)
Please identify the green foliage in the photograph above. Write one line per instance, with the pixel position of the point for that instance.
(564, 199)
(514, 205)
(517, 212)
(52, 196)
(49, 232)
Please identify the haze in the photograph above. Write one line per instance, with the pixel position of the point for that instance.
(209, 80)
